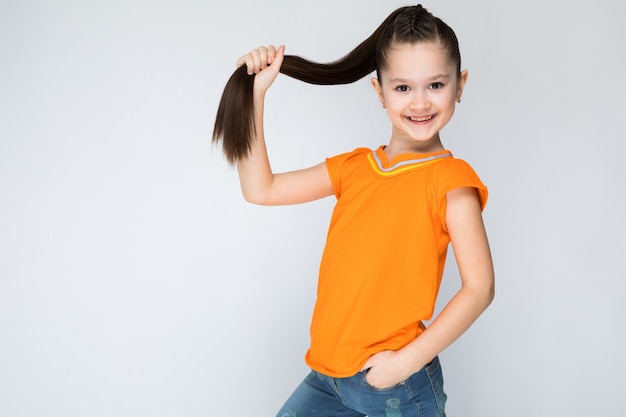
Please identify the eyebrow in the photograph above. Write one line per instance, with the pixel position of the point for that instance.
(436, 77)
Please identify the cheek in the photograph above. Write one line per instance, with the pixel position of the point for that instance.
(447, 100)
(395, 108)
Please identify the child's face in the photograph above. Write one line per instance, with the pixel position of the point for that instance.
(419, 88)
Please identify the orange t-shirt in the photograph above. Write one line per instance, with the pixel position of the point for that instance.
(385, 253)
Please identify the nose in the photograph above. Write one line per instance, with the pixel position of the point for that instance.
(419, 100)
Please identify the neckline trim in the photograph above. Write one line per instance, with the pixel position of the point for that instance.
(404, 165)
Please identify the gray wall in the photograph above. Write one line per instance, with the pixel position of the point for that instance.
(135, 281)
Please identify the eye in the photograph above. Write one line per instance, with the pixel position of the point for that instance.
(402, 88)
(436, 86)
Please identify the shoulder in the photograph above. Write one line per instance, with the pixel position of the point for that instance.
(344, 165)
(457, 166)
(456, 173)
(349, 155)
(334, 163)
(454, 169)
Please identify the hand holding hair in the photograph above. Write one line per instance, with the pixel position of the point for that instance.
(263, 62)
(258, 59)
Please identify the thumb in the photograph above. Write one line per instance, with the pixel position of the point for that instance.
(279, 57)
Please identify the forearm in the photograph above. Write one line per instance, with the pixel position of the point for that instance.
(458, 315)
(255, 172)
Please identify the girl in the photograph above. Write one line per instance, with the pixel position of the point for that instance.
(398, 208)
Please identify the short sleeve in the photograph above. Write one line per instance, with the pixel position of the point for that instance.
(335, 166)
(457, 173)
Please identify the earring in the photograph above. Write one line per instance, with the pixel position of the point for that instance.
(458, 99)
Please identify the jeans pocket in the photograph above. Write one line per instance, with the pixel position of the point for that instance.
(372, 388)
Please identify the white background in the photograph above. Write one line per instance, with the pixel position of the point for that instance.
(135, 281)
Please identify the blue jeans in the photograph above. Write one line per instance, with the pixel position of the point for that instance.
(322, 396)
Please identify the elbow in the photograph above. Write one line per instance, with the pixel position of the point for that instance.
(253, 200)
(255, 193)
(483, 293)
(258, 199)
(490, 293)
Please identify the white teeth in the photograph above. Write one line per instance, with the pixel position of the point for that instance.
(420, 119)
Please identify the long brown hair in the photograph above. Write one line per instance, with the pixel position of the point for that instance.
(234, 123)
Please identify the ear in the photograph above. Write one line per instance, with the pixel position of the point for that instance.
(378, 89)
(461, 84)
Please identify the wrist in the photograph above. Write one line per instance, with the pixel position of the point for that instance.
(413, 358)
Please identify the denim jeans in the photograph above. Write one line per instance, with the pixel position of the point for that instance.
(322, 396)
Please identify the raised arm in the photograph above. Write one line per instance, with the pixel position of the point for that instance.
(258, 183)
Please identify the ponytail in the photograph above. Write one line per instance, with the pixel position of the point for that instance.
(235, 115)
(234, 122)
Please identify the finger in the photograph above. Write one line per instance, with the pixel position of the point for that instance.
(262, 56)
(251, 60)
(279, 55)
(271, 53)
(256, 56)
(241, 61)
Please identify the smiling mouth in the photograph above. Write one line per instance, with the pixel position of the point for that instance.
(421, 119)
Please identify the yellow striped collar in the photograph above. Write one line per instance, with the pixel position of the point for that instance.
(404, 165)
